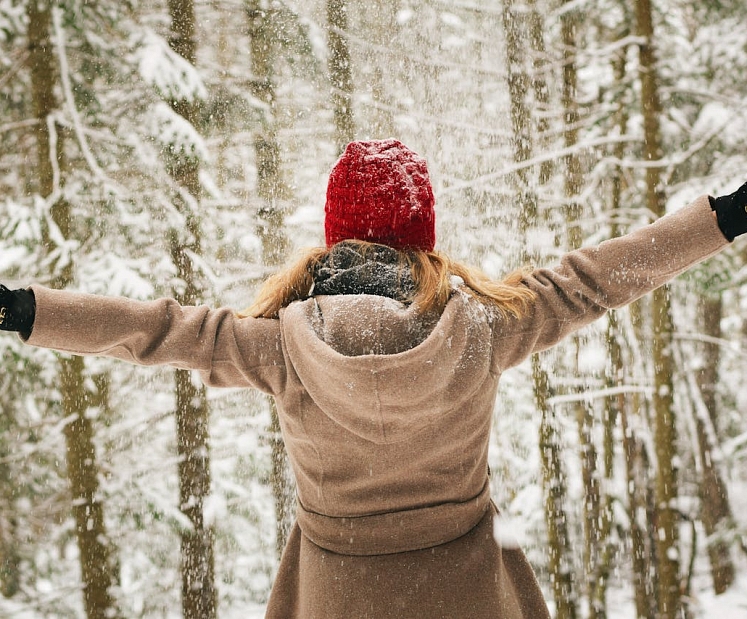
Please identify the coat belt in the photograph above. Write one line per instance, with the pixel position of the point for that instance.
(392, 532)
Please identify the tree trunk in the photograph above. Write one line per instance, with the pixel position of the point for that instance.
(665, 427)
(618, 407)
(82, 469)
(271, 191)
(638, 464)
(98, 572)
(340, 72)
(199, 593)
(554, 485)
(10, 559)
(381, 27)
(573, 180)
(594, 543)
(519, 85)
(636, 425)
(715, 506)
(281, 479)
(540, 86)
(560, 563)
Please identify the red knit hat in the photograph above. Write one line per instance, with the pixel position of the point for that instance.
(379, 191)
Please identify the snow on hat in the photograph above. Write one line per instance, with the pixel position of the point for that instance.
(379, 191)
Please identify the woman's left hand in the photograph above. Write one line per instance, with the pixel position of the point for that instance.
(731, 212)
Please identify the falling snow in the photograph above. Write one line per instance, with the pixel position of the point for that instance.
(433, 74)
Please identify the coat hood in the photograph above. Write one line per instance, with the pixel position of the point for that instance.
(378, 368)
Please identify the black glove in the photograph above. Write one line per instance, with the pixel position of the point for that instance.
(731, 212)
(17, 310)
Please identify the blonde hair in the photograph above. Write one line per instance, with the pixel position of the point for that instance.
(431, 271)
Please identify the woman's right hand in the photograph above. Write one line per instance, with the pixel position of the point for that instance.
(17, 310)
(731, 212)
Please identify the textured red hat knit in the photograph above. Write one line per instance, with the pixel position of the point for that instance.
(379, 191)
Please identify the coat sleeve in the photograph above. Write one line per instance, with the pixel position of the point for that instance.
(228, 351)
(589, 281)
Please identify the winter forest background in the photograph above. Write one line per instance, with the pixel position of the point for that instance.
(181, 149)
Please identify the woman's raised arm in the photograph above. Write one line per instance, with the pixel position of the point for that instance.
(589, 281)
(226, 350)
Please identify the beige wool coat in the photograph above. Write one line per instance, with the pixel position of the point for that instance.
(386, 417)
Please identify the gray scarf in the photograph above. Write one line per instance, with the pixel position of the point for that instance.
(346, 270)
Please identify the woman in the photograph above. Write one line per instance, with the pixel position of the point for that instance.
(384, 358)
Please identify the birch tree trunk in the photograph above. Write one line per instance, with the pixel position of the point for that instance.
(97, 568)
(199, 594)
(665, 426)
(340, 72)
(271, 192)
